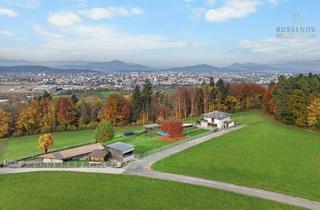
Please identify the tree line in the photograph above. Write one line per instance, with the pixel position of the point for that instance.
(45, 114)
(295, 100)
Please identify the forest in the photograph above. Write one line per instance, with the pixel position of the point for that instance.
(295, 100)
(292, 100)
(45, 113)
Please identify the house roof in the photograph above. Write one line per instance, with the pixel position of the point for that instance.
(216, 115)
(73, 152)
(99, 153)
(121, 146)
(152, 126)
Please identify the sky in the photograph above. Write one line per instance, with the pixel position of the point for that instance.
(159, 33)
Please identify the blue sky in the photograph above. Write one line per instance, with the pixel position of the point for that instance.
(156, 32)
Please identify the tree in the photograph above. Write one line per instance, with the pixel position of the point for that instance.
(297, 104)
(46, 141)
(313, 112)
(206, 90)
(231, 103)
(112, 108)
(27, 121)
(136, 103)
(146, 99)
(104, 132)
(126, 112)
(173, 127)
(89, 109)
(4, 123)
(65, 112)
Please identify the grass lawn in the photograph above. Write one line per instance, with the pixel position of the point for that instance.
(64, 190)
(26, 146)
(264, 154)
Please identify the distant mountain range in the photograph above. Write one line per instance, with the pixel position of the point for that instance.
(302, 66)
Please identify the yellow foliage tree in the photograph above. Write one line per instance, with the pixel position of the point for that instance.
(46, 141)
(4, 123)
(313, 111)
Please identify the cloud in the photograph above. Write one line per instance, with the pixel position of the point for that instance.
(46, 33)
(63, 19)
(29, 4)
(232, 9)
(88, 42)
(274, 48)
(8, 12)
(6, 33)
(99, 13)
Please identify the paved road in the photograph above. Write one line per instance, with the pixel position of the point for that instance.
(143, 168)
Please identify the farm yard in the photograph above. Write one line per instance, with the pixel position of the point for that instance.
(264, 154)
(99, 191)
(26, 146)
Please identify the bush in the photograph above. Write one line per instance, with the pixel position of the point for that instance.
(104, 132)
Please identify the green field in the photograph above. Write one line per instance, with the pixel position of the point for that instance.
(26, 146)
(264, 154)
(54, 190)
(105, 94)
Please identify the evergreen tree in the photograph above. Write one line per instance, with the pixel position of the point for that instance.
(146, 98)
(136, 103)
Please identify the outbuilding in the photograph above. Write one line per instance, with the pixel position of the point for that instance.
(101, 155)
(121, 152)
(70, 154)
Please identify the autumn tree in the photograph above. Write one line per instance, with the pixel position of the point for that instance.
(45, 142)
(4, 123)
(89, 111)
(173, 127)
(126, 112)
(27, 121)
(104, 132)
(206, 91)
(313, 112)
(112, 108)
(65, 112)
(297, 104)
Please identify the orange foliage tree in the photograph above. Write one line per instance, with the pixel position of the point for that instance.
(46, 141)
(173, 127)
(65, 111)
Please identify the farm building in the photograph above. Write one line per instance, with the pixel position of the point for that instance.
(101, 155)
(216, 119)
(70, 154)
(121, 152)
(152, 126)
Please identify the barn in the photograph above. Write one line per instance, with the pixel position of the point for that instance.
(121, 152)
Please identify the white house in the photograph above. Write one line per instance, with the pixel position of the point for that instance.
(216, 119)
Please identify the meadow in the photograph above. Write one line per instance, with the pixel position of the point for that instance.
(66, 190)
(264, 154)
(26, 146)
